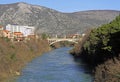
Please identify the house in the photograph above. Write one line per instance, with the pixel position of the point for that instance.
(6, 33)
(18, 36)
(74, 36)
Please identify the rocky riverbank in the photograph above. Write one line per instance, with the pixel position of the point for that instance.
(15, 55)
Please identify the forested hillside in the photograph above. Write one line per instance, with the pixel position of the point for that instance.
(103, 42)
(101, 49)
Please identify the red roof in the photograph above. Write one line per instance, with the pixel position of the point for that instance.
(6, 31)
(18, 33)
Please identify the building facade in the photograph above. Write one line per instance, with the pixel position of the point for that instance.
(26, 30)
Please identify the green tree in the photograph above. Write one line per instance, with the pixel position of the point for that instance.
(99, 44)
(44, 36)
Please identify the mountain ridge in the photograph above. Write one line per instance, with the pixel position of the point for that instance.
(50, 21)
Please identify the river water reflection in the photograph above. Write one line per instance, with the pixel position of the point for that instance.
(55, 66)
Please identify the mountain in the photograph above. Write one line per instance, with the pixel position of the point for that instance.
(50, 21)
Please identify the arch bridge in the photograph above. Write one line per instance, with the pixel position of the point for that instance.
(51, 41)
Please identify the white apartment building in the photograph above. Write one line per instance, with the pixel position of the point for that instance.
(26, 30)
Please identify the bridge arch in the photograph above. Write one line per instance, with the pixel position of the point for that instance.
(53, 42)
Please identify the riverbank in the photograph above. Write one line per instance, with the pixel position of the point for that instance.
(15, 55)
(55, 66)
(101, 49)
(62, 44)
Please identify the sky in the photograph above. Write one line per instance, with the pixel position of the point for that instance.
(72, 5)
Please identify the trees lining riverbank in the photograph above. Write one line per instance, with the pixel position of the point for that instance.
(101, 49)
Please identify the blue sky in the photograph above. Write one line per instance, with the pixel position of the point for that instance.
(72, 5)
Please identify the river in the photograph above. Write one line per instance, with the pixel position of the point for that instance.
(55, 66)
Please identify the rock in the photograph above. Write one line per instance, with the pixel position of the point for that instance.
(17, 73)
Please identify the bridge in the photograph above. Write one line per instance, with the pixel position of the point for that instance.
(55, 40)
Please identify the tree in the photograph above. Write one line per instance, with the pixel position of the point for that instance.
(44, 36)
